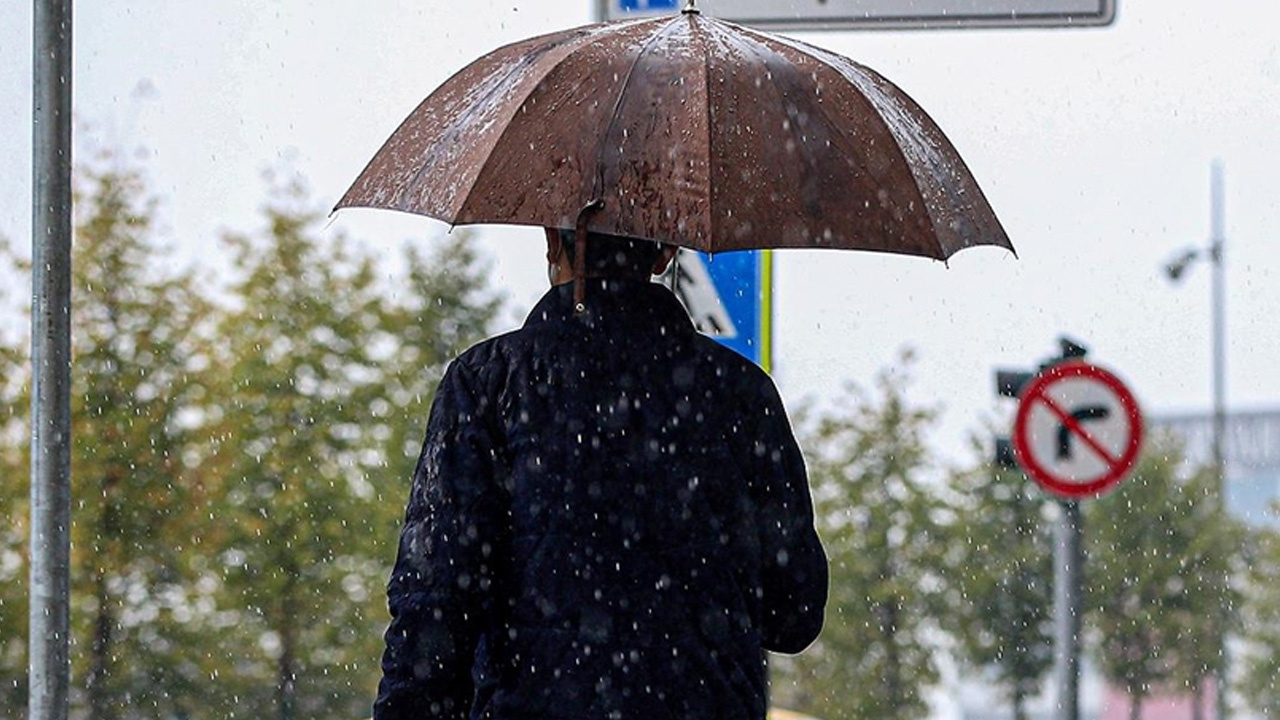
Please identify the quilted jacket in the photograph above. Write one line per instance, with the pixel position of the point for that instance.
(610, 519)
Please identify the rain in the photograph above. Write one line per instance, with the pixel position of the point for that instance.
(252, 372)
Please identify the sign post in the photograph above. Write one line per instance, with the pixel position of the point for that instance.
(1077, 433)
(1068, 606)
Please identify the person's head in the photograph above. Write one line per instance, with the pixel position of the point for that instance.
(612, 256)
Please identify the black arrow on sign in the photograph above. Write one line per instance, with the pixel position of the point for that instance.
(1089, 412)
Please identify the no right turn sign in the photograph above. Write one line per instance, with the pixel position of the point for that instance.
(1078, 430)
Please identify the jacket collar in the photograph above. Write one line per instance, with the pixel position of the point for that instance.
(612, 302)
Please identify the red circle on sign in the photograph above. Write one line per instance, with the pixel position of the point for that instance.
(1116, 467)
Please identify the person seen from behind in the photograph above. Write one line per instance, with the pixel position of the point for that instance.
(610, 518)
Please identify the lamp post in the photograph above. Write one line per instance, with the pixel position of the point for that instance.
(49, 654)
(1175, 269)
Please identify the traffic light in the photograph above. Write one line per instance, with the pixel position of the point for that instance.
(1010, 383)
(1005, 457)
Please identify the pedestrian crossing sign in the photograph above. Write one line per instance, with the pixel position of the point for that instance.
(729, 297)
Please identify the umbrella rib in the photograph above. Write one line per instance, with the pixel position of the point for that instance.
(861, 76)
(447, 136)
(779, 91)
(598, 181)
(711, 186)
(943, 161)
(853, 76)
(533, 87)
(597, 185)
(898, 149)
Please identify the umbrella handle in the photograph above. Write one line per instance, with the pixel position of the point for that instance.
(689, 9)
(580, 254)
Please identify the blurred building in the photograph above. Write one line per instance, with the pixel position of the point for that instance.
(1251, 450)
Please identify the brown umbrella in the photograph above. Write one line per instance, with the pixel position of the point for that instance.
(687, 130)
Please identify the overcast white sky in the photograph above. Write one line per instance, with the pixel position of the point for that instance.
(1093, 146)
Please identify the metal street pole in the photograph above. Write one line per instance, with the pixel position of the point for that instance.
(49, 665)
(1067, 607)
(1216, 241)
(1218, 291)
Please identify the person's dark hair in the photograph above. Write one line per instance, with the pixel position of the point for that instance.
(614, 255)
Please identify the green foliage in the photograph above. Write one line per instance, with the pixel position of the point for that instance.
(240, 466)
(139, 341)
(1000, 578)
(15, 476)
(879, 520)
(1210, 569)
(1260, 684)
(329, 379)
(295, 455)
(440, 308)
(1158, 559)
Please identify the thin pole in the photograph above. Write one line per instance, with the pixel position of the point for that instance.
(1067, 607)
(49, 668)
(1216, 241)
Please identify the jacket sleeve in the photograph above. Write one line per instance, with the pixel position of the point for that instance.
(445, 577)
(794, 565)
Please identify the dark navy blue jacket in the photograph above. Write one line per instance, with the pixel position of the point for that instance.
(610, 520)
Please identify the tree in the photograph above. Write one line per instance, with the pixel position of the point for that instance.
(328, 379)
(1261, 658)
(136, 402)
(15, 470)
(441, 306)
(240, 468)
(1000, 578)
(1157, 553)
(879, 520)
(1130, 565)
(1208, 571)
(294, 456)
(137, 347)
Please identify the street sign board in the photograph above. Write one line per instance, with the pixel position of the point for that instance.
(879, 14)
(728, 296)
(1078, 430)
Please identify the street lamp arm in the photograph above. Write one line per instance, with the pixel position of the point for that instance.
(1177, 267)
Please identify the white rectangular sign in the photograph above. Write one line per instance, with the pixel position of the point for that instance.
(879, 14)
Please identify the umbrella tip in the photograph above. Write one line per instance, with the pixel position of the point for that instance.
(689, 8)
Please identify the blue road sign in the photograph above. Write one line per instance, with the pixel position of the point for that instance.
(729, 297)
(642, 5)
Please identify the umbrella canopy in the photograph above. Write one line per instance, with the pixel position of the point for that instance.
(687, 130)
